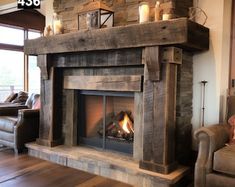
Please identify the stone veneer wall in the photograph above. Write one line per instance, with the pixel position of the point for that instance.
(125, 11)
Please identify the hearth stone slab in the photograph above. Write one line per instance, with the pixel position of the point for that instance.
(107, 164)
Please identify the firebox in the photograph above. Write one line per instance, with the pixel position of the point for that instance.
(106, 120)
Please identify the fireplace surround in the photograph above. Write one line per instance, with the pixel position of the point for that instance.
(143, 59)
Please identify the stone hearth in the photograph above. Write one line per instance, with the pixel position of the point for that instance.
(151, 61)
(107, 164)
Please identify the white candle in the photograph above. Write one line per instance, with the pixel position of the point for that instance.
(166, 16)
(144, 12)
(57, 27)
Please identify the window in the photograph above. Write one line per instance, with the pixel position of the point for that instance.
(11, 36)
(11, 72)
(33, 75)
(33, 34)
(33, 70)
(17, 71)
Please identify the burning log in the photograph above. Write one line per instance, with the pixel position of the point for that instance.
(125, 122)
(120, 127)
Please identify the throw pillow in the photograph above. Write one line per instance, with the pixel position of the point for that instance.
(10, 98)
(21, 98)
(32, 99)
(37, 104)
(231, 121)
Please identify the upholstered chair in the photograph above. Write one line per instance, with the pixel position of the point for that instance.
(19, 124)
(215, 165)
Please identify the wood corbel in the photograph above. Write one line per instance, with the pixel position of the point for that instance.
(44, 63)
(150, 57)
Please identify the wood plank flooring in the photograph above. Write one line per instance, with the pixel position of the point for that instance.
(26, 171)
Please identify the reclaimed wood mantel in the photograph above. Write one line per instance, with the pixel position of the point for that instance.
(144, 59)
(180, 32)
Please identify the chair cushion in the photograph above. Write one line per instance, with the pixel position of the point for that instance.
(224, 160)
(7, 123)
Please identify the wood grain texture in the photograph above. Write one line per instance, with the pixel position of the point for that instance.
(46, 110)
(150, 58)
(170, 32)
(108, 83)
(70, 112)
(23, 170)
(50, 127)
(159, 122)
(109, 58)
(138, 126)
(171, 55)
(44, 63)
(197, 36)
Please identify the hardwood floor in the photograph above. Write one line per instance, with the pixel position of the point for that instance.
(26, 171)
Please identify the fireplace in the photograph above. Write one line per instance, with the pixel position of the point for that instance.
(144, 65)
(106, 120)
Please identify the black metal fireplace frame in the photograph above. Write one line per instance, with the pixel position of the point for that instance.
(96, 142)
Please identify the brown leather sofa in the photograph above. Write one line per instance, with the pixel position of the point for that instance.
(215, 165)
(19, 124)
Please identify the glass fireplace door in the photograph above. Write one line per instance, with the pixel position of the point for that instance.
(106, 120)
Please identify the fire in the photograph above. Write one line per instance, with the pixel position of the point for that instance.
(126, 124)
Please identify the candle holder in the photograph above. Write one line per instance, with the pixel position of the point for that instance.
(95, 15)
(143, 12)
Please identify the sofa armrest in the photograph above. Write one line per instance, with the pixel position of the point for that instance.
(210, 140)
(27, 127)
(11, 110)
(28, 113)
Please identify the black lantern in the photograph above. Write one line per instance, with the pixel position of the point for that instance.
(95, 15)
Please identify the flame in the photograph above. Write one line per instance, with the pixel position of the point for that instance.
(125, 123)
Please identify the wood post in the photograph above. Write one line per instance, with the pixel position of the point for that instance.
(49, 128)
(159, 106)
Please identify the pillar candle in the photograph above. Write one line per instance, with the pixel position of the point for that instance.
(157, 11)
(57, 27)
(143, 12)
(166, 16)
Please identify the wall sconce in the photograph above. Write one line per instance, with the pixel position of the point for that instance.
(95, 15)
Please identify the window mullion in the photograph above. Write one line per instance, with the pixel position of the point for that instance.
(26, 65)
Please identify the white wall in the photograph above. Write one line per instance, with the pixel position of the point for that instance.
(213, 65)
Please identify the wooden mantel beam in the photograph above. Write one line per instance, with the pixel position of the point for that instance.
(179, 32)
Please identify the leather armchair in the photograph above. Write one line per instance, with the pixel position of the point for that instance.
(18, 125)
(215, 165)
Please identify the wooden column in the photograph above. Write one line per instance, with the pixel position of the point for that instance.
(71, 117)
(49, 128)
(159, 106)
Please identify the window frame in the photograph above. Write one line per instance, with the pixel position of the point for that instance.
(12, 47)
